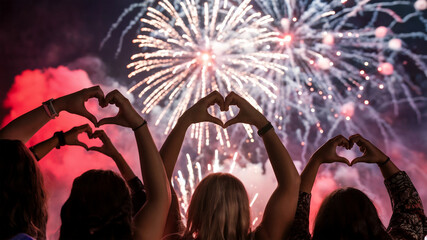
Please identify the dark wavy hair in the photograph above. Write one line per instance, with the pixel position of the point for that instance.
(99, 207)
(22, 195)
(348, 214)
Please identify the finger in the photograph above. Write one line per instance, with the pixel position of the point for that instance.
(109, 120)
(341, 141)
(115, 97)
(90, 117)
(216, 121)
(97, 93)
(230, 100)
(78, 143)
(215, 97)
(343, 160)
(232, 121)
(96, 134)
(98, 149)
(359, 159)
(85, 128)
(359, 140)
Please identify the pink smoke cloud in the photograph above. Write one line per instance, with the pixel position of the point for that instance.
(60, 167)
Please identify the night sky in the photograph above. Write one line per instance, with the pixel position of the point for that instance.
(52, 33)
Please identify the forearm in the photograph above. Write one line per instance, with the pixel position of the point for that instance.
(123, 167)
(152, 169)
(388, 169)
(151, 219)
(43, 148)
(25, 126)
(308, 175)
(283, 166)
(172, 145)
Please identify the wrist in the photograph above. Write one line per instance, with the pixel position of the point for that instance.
(59, 104)
(260, 122)
(184, 121)
(137, 122)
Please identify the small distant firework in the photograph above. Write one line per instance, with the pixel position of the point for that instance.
(193, 49)
(343, 56)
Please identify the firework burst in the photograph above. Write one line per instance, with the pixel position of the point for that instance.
(344, 58)
(191, 50)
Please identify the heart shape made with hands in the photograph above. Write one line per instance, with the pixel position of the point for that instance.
(100, 110)
(367, 153)
(246, 112)
(89, 141)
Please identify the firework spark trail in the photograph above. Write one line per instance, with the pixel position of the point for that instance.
(193, 49)
(135, 20)
(338, 66)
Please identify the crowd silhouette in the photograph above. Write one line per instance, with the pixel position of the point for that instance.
(105, 205)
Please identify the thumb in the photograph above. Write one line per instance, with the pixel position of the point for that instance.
(109, 120)
(231, 122)
(216, 121)
(90, 117)
(359, 159)
(98, 149)
(343, 160)
(78, 143)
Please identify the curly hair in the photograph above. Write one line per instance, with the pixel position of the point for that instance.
(22, 196)
(99, 207)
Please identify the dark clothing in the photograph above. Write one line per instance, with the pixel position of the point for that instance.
(407, 222)
(138, 194)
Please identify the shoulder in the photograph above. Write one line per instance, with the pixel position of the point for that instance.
(22, 236)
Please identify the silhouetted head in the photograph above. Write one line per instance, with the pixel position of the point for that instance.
(219, 209)
(22, 195)
(348, 214)
(99, 207)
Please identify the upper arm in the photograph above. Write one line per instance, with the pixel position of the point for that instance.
(278, 215)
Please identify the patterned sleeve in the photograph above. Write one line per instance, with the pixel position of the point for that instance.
(408, 220)
(137, 194)
(300, 227)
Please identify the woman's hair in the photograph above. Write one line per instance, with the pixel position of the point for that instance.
(22, 195)
(219, 209)
(348, 214)
(99, 207)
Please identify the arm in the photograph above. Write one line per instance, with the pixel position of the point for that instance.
(172, 146)
(26, 125)
(109, 150)
(278, 216)
(71, 138)
(137, 188)
(408, 220)
(150, 220)
(325, 154)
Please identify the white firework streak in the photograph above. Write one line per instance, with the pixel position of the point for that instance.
(338, 67)
(193, 49)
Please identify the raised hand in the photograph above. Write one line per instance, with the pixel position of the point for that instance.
(71, 136)
(371, 154)
(107, 147)
(327, 152)
(199, 111)
(247, 114)
(75, 102)
(127, 115)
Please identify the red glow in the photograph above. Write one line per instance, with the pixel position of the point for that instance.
(60, 167)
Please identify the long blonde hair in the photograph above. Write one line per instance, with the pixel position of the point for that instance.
(219, 209)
